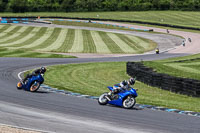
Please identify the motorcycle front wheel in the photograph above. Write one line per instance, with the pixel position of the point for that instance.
(35, 86)
(129, 102)
(102, 99)
(19, 85)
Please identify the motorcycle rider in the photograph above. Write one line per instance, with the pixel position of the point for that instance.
(124, 85)
(36, 72)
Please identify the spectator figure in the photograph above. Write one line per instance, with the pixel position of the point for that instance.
(189, 39)
(167, 31)
(183, 43)
(157, 50)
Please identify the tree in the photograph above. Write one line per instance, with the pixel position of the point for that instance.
(3, 5)
(18, 5)
(36, 5)
(125, 5)
(67, 5)
(110, 5)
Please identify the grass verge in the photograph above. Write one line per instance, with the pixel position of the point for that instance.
(94, 25)
(4, 52)
(188, 66)
(93, 79)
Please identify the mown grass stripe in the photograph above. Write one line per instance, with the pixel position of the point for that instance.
(68, 42)
(16, 54)
(88, 42)
(112, 46)
(59, 42)
(7, 53)
(4, 52)
(49, 40)
(131, 43)
(12, 37)
(12, 30)
(24, 37)
(123, 46)
(100, 45)
(186, 67)
(32, 39)
(5, 29)
(78, 42)
(48, 32)
(139, 41)
(1, 26)
(19, 37)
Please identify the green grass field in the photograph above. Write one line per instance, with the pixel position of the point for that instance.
(4, 52)
(183, 18)
(43, 39)
(93, 79)
(188, 67)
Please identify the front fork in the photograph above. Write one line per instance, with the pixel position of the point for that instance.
(108, 97)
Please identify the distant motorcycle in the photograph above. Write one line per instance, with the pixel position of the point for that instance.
(31, 84)
(125, 98)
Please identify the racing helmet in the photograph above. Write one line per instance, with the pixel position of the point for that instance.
(131, 81)
(43, 69)
(123, 83)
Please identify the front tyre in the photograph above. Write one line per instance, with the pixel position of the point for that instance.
(35, 86)
(129, 102)
(19, 85)
(102, 99)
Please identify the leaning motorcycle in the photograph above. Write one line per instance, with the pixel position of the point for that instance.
(31, 84)
(125, 98)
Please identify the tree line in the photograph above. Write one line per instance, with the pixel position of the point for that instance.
(96, 5)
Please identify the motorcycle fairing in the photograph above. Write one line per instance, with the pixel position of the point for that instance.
(122, 95)
(38, 78)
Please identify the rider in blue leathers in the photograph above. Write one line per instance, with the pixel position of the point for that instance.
(42, 70)
(124, 85)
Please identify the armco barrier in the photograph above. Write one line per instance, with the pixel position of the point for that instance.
(148, 76)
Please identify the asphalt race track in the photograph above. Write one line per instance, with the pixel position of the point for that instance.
(54, 112)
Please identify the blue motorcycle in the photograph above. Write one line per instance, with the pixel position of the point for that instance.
(125, 98)
(31, 84)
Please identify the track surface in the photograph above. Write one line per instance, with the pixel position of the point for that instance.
(54, 112)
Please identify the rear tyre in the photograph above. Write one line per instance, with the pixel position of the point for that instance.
(35, 86)
(19, 85)
(129, 102)
(102, 99)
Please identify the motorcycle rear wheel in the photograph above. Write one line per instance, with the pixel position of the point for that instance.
(129, 102)
(102, 99)
(35, 86)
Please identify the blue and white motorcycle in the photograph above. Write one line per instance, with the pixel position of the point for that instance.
(31, 84)
(125, 98)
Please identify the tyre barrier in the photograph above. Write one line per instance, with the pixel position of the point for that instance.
(21, 20)
(186, 86)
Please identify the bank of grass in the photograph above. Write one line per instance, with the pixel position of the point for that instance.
(4, 52)
(93, 79)
(188, 66)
